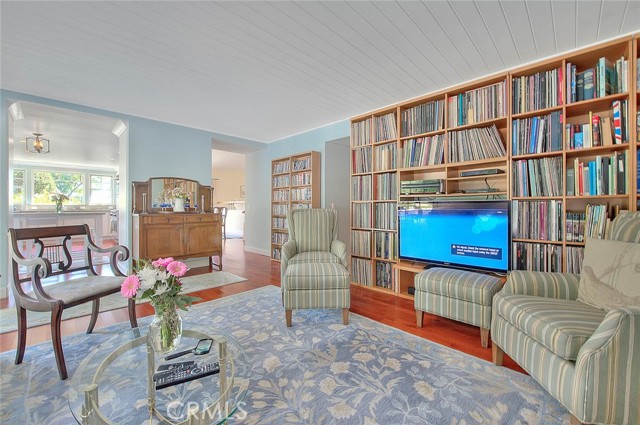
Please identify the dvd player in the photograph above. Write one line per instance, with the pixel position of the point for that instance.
(486, 172)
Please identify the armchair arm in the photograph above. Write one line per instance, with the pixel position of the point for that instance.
(543, 284)
(607, 368)
(287, 251)
(40, 269)
(339, 249)
(117, 253)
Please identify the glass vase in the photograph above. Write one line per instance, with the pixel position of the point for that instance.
(165, 329)
(58, 207)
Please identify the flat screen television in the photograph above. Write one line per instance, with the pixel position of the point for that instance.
(466, 234)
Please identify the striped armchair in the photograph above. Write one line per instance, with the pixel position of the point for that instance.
(313, 265)
(587, 358)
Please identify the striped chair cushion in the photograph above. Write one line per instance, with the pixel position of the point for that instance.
(562, 326)
(626, 227)
(313, 229)
(543, 284)
(316, 276)
(459, 284)
(314, 257)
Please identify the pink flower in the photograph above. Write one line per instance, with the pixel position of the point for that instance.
(162, 262)
(177, 268)
(130, 286)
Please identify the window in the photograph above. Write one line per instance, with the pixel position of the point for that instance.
(46, 183)
(101, 192)
(18, 186)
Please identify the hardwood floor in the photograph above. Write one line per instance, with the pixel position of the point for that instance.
(260, 271)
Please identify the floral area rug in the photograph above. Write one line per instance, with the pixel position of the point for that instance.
(316, 372)
(8, 319)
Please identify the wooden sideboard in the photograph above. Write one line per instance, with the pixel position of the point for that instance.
(178, 235)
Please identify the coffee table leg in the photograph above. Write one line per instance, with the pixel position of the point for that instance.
(151, 367)
(224, 396)
(90, 406)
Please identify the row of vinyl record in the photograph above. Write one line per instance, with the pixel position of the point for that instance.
(574, 256)
(600, 130)
(300, 179)
(361, 271)
(537, 220)
(422, 118)
(361, 243)
(279, 238)
(386, 187)
(593, 223)
(475, 144)
(361, 133)
(386, 215)
(361, 188)
(361, 160)
(301, 194)
(361, 216)
(384, 275)
(537, 134)
(385, 157)
(302, 164)
(537, 177)
(603, 175)
(536, 257)
(604, 79)
(280, 181)
(474, 106)
(281, 167)
(385, 127)
(276, 253)
(280, 195)
(279, 209)
(423, 151)
(279, 223)
(537, 91)
(385, 245)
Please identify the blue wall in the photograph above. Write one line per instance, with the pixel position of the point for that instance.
(155, 149)
(258, 178)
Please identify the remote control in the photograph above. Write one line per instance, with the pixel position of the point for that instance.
(170, 368)
(189, 374)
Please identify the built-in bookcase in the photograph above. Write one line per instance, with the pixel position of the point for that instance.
(295, 183)
(559, 138)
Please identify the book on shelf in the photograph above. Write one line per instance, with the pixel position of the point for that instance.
(537, 91)
(600, 129)
(361, 133)
(604, 79)
(281, 167)
(603, 175)
(537, 177)
(476, 144)
(385, 127)
(474, 106)
(540, 220)
(536, 257)
(423, 151)
(422, 118)
(537, 134)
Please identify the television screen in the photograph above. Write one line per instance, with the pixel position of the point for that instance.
(470, 234)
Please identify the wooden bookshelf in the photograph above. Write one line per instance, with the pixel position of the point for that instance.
(512, 117)
(295, 183)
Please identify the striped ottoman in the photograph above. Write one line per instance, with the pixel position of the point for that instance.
(315, 285)
(457, 294)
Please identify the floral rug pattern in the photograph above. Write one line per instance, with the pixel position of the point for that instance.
(316, 372)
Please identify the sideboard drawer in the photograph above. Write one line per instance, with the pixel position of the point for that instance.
(201, 218)
(163, 219)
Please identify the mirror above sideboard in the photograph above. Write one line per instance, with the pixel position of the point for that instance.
(154, 195)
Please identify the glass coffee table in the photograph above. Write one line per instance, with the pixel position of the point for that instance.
(114, 383)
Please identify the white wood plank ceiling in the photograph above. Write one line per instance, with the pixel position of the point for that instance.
(266, 70)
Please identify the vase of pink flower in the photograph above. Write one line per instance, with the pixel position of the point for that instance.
(159, 282)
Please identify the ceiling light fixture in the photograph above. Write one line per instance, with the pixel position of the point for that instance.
(37, 144)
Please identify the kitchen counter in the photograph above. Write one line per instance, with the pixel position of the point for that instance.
(40, 218)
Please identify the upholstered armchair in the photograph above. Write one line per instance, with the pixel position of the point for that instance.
(314, 263)
(588, 358)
